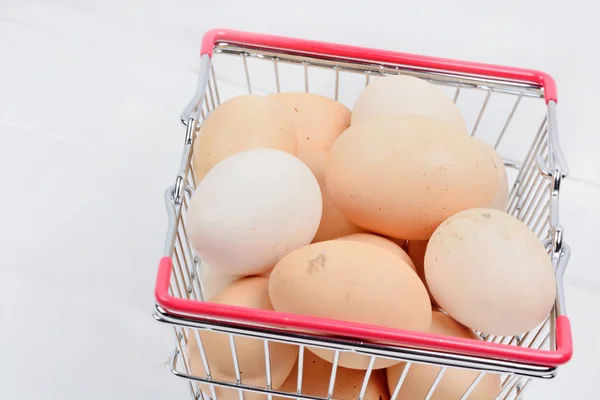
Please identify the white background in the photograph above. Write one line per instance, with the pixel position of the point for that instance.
(90, 95)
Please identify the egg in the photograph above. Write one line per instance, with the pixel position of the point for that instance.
(318, 120)
(383, 243)
(316, 374)
(333, 223)
(243, 123)
(403, 94)
(416, 251)
(490, 272)
(213, 281)
(402, 176)
(251, 209)
(246, 292)
(454, 382)
(500, 201)
(350, 281)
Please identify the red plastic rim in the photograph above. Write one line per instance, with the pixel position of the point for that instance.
(562, 354)
(310, 47)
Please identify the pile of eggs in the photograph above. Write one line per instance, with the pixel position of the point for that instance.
(389, 215)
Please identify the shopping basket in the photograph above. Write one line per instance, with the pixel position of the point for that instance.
(498, 102)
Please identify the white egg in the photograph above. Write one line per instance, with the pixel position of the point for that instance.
(253, 208)
(403, 94)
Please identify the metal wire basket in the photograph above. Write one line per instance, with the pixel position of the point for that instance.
(512, 109)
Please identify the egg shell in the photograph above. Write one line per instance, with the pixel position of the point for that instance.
(403, 94)
(318, 120)
(383, 243)
(246, 292)
(242, 123)
(213, 281)
(454, 382)
(416, 251)
(515, 283)
(500, 201)
(333, 223)
(402, 176)
(350, 281)
(251, 209)
(348, 382)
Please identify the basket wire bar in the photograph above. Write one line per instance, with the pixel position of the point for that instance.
(533, 198)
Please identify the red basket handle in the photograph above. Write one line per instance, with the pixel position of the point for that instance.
(311, 47)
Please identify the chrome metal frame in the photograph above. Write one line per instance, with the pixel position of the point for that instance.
(534, 198)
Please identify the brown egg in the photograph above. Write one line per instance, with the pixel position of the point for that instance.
(333, 223)
(500, 201)
(248, 292)
(454, 382)
(350, 281)
(318, 120)
(416, 251)
(316, 374)
(402, 176)
(383, 243)
(490, 272)
(243, 123)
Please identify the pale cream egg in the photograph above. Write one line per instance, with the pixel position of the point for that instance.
(402, 94)
(490, 272)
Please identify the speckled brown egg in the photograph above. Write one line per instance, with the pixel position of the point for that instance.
(246, 292)
(454, 382)
(490, 272)
(382, 242)
(318, 120)
(402, 176)
(333, 223)
(243, 123)
(350, 281)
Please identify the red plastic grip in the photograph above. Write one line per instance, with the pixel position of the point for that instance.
(311, 47)
(372, 333)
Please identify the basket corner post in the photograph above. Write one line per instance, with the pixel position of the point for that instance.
(161, 288)
(564, 340)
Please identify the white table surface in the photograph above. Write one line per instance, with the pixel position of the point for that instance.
(90, 94)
